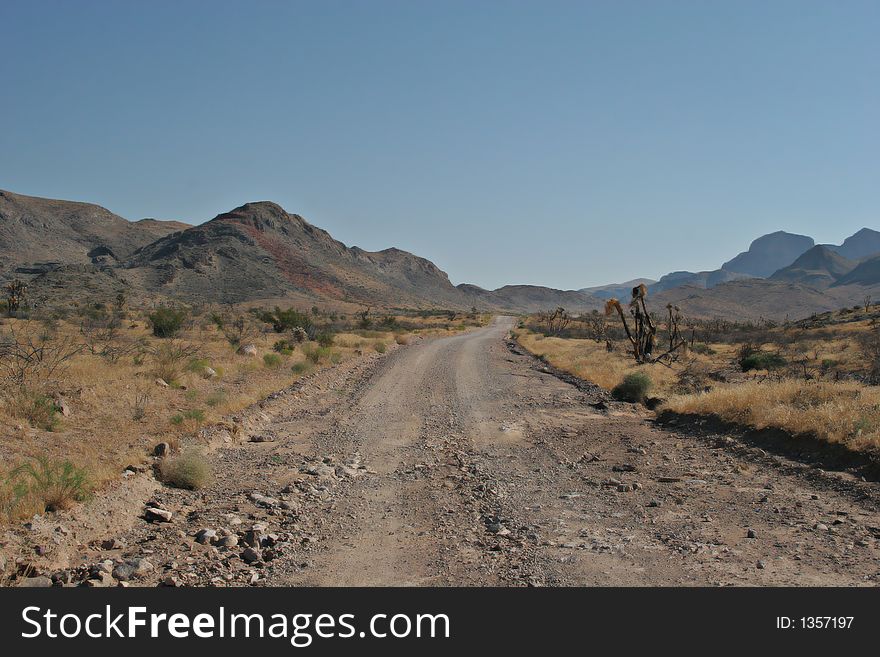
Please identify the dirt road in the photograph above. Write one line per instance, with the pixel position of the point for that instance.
(460, 461)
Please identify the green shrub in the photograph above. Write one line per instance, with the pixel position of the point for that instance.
(634, 388)
(39, 410)
(177, 419)
(189, 470)
(53, 485)
(301, 368)
(762, 361)
(166, 322)
(379, 347)
(272, 361)
(285, 320)
(325, 339)
(198, 365)
(284, 347)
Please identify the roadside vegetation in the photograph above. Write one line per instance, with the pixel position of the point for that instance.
(815, 376)
(87, 390)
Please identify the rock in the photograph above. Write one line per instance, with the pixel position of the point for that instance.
(161, 383)
(254, 538)
(761, 565)
(171, 580)
(61, 406)
(112, 544)
(209, 372)
(251, 555)
(162, 449)
(624, 488)
(227, 541)
(205, 536)
(820, 526)
(289, 505)
(751, 534)
(248, 350)
(655, 503)
(38, 582)
(102, 580)
(132, 568)
(321, 470)
(262, 438)
(155, 514)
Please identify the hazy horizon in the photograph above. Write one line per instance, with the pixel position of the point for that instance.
(559, 144)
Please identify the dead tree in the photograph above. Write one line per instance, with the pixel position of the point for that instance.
(555, 322)
(643, 334)
(867, 302)
(16, 292)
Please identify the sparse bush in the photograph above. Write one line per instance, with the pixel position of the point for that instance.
(166, 321)
(189, 470)
(170, 359)
(300, 368)
(285, 320)
(51, 485)
(325, 339)
(634, 388)
(401, 339)
(379, 347)
(762, 361)
(272, 361)
(283, 347)
(198, 365)
(38, 409)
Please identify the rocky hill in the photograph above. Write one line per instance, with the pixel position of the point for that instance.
(769, 253)
(820, 267)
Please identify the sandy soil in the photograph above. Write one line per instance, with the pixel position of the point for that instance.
(460, 461)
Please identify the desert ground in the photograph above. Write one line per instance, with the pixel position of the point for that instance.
(465, 460)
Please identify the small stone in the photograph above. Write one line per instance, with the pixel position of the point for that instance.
(155, 514)
(751, 534)
(761, 565)
(820, 526)
(227, 541)
(38, 582)
(209, 372)
(112, 544)
(251, 555)
(248, 350)
(171, 580)
(132, 568)
(162, 449)
(205, 536)
(161, 383)
(655, 503)
(624, 488)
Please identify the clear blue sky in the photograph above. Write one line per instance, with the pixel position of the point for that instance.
(555, 143)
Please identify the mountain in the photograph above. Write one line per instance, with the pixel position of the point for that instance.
(255, 252)
(702, 279)
(866, 273)
(38, 233)
(861, 244)
(617, 290)
(259, 251)
(758, 298)
(819, 267)
(769, 253)
(530, 298)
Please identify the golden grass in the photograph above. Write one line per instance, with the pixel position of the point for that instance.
(847, 413)
(589, 360)
(119, 413)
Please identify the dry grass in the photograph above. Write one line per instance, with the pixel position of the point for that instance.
(188, 470)
(589, 360)
(819, 391)
(118, 412)
(846, 413)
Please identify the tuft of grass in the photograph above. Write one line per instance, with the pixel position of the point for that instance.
(301, 368)
(189, 470)
(272, 361)
(51, 485)
(634, 388)
(38, 409)
(401, 339)
(216, 398)
(379, 346)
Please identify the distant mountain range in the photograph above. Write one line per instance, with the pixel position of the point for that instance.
(259, 252)
(256, 252)
(781, 274)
